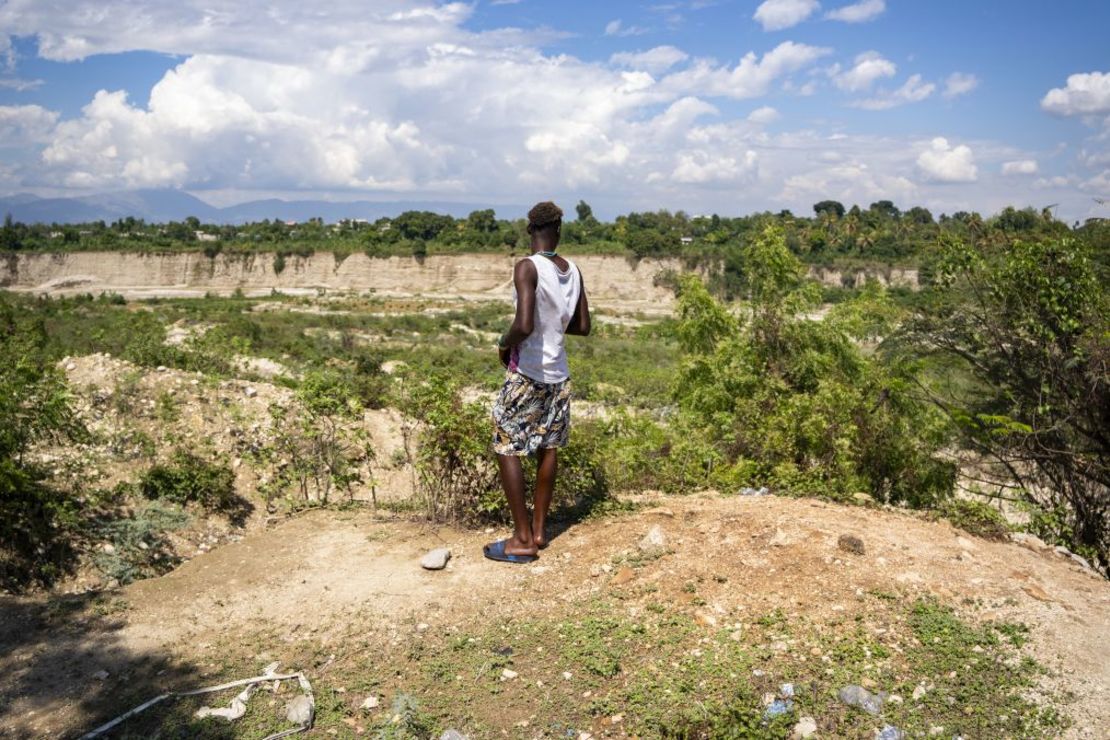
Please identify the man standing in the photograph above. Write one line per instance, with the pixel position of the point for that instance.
(532, 413)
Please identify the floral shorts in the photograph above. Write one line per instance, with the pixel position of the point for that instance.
(529, 415)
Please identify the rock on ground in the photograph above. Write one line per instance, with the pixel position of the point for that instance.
(435, 559)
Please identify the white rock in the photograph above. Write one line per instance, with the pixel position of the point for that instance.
(654, 542)
(100, 675)
(300, 710)
(435, 559)
(371, 702)
(919, 692)
(508, 674)
(806, 727)
(250, 392)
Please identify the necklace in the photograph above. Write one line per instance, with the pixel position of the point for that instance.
(547, 254)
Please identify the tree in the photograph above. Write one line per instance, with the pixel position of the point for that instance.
(885, 209)
(585, 213)
(9, 236)
(1029, 327)
(829, 207)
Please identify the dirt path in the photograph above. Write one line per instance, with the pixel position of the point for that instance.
(316, 578)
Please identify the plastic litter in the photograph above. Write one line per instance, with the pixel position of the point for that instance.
(226, 712)
(857, 696)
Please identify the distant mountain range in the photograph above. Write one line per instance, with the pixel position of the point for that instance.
(159, 206)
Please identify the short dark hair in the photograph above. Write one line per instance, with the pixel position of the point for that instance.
(543, 216)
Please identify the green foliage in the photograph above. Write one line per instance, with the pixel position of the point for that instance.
(318, 447)
(457, 476)
(135, 546)
(35, 519)
(189, 478)
(1029, 325)
(977, 518)
(797, 399)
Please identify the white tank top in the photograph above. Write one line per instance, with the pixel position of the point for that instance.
(543, 355)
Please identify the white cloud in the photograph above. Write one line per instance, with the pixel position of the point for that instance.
(1085, 94)
(1020, 167)
(869, 67)
(700, 167)
(914, 90)
(751, 78)
(775, 15)
(861, 12)
(944, 163)
(25, 124)
(764, 115)
(959, 83)
(18, 84)
(658, 59)
(617, 28)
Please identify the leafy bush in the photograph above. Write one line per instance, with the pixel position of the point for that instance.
(319, 447)
(188, 478)
(138, 546)
(36, 520)
(1028, 325)
(796, 403)
(976, 517)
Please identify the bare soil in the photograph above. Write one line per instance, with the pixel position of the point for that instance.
(315, 584)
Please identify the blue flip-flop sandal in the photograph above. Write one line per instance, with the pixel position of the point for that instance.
(496, 551)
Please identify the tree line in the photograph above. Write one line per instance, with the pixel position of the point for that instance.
(879, 233)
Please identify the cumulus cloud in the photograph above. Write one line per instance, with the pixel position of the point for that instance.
(914, 90)
(702, 167)
(25, 124)
(750, 78)
(1020, 167)
(658, 59)
(959, 83)
(941, 162)
(763, 115)
(1085, 94)
(869, 67)
(775, 15)
(861, 12)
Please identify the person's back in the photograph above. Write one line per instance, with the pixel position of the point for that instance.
(542, 356)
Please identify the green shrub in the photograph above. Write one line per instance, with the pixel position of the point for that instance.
(188, 478)
(796, 403)
(136, 546)
(977, 518)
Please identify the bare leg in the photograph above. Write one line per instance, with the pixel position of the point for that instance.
(512, 480)
(546, 467)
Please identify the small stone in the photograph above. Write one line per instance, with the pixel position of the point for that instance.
(422, 627)
(435, 559)
(890, 732)
(453, 734)
(660, 511)
(508, 674)
(654, 542)
(781, 539)
(300, 710)
(786, 691)
(250, 392)
(369, 703)
(868, 683)
(623, 576)
(100, 675)
(606, 568)
(895, 699)
(108, 548)
(1037, 592)
(851, 543)
(71, 366)
(806, 727)
(919, 692)
(936, 730)
(1031, 541)
(567, 675)
(616, 719)
(705, 619)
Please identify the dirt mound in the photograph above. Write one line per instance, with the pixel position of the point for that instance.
(340, 590)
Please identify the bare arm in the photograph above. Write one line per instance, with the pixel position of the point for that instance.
(524, 279)
(580, 322)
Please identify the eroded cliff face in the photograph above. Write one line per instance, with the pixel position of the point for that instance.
(609, 279)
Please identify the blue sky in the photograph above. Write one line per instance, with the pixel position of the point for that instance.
(729, 106)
